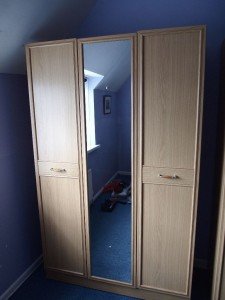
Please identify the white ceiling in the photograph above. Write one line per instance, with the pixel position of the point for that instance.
(24, 21)
(110, 59)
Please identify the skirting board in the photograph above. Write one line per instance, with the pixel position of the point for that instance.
(100, 191)
(16, 284)
(113, 177)
(124, 173)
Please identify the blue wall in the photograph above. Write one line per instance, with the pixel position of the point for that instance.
(123, 97)
(19, 225)
(113, 17)
(113, 133)
(103, 161)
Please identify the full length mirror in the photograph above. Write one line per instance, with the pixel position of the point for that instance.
(107, 80)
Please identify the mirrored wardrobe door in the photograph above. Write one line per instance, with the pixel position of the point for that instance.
(106, 85)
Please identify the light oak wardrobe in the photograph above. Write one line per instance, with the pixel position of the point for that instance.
(167, 94)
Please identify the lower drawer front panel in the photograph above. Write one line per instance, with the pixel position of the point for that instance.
(166, 244)
(58, 169)
(170, 176)
(62, 223)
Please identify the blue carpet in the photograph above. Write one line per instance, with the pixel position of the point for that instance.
(37, 287)
(111, 239)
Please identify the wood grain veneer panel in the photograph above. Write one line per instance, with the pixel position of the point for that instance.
(62, 219)
(54, 102)
(170, 93)
(167, 219)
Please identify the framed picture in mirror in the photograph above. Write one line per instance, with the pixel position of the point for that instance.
(107, 105)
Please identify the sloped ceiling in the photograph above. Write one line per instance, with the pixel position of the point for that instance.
(24, 21)
(111, 60)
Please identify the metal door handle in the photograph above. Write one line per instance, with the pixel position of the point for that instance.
(168, 176)
(58, 170)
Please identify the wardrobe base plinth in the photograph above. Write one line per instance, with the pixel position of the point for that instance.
(111, 287)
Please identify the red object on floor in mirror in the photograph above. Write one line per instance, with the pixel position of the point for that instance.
(114, 186)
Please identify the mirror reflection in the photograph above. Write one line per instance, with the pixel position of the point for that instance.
(107, 72)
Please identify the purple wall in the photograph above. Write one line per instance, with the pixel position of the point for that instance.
(20, 241)
(123, 97)
(113, 17)
(113, 133)
(103, 161)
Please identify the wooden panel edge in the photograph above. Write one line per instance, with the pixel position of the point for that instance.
(84, 175)
(80, 157)
(198, 141)
(50, 43)
(35, 152)
(167, 292)
(172, 29)
(108, 38)
(134, 156)
(139, 154)
(64, 271)
(83, 40)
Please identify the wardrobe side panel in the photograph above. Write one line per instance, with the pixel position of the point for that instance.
(54, 102)
(170, 90)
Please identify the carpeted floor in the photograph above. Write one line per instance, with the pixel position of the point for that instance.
(111, 239)
(37, 287)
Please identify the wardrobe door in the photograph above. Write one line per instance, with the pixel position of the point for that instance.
(55, 117)
(171, 67)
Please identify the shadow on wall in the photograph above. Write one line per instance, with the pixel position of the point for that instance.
(24, 21)
(19, 225)
(61, 22)
(221, 144)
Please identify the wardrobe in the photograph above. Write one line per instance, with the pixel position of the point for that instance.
(167, 97)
